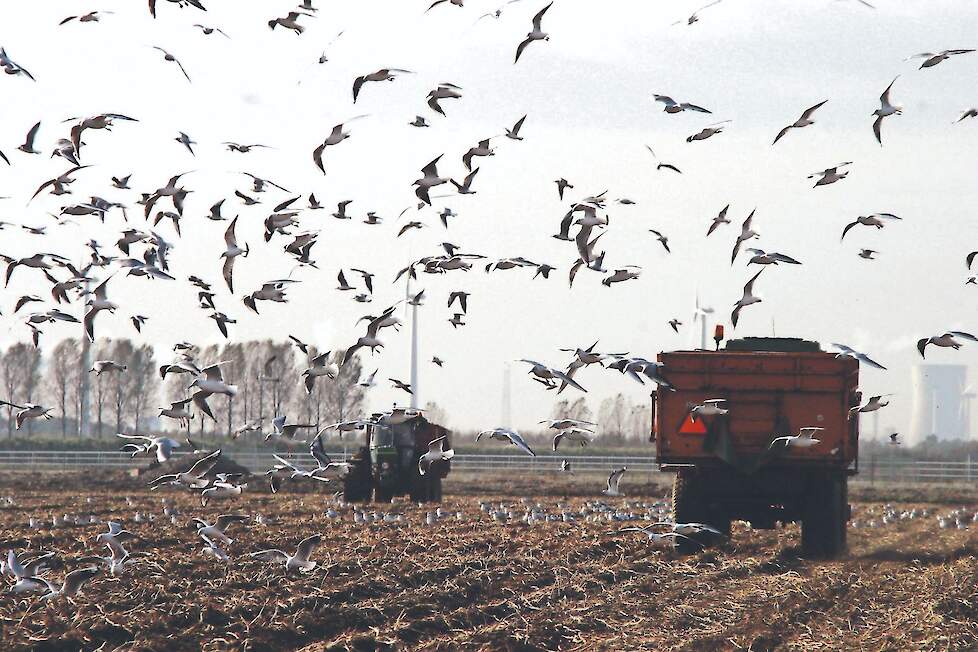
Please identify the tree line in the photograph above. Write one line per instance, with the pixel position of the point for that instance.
(267, 374)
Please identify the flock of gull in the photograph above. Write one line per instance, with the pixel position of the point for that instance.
(81, 292)
(143, 251)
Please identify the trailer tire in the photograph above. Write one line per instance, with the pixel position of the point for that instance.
(823, 526)
(688, 507)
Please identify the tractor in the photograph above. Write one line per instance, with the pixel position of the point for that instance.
(386, 465)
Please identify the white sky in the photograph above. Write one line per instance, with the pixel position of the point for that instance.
(587, 93)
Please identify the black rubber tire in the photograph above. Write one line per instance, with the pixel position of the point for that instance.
(356, 485)
(434, 489)
(688, 507)
(823, 526)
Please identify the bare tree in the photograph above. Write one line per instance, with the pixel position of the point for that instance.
(640, 422)
(141, 381)
(576, 409)
(234, 355)
(61, 377)
(343, 396)
(102, 386)
(435, 414)
(120, 391)
(613, 417)
(20, 376)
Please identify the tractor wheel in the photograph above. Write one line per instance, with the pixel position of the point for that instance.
(356, 485)
(434, 488)
(688, 506)
(823, 526)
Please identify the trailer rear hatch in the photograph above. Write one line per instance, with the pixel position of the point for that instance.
(768, 394)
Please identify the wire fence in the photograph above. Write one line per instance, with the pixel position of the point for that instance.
(872, 470)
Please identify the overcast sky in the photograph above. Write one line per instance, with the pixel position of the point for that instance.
(587, 93)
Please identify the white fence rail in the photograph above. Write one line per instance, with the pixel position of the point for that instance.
(871, 470)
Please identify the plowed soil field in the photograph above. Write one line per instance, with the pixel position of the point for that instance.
(475, 581)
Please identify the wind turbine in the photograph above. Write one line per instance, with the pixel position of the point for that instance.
(701, 312)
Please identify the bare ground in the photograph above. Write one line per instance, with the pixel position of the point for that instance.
(479, 584)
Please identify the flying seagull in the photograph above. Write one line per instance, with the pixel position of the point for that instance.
(721, 218)
(949, 339)
(297, 562)
(384, 74)
(614, 480)
(830, 175)
(672, 106)
(747, 300)
(876, 219)
(849, 352)
(934, 58)
(436, 453)
(803, 121)
(508, 435)
(803, 439)
(169, 57)
(536, 34)
(886, 109)
(694, 18)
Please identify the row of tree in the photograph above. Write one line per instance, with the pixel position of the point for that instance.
(268, 376)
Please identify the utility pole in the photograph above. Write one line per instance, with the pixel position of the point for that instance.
(414, 346)
(86, 364)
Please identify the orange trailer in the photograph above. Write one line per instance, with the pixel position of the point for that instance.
(726, 464)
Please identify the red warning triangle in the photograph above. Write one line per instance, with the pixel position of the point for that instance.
(691, 427)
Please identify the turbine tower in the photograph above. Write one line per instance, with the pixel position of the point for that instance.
(700, 313)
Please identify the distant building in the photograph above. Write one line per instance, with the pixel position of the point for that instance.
(941, 402)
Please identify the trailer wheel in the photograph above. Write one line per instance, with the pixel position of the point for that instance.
(688, 507)
(823, 526)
